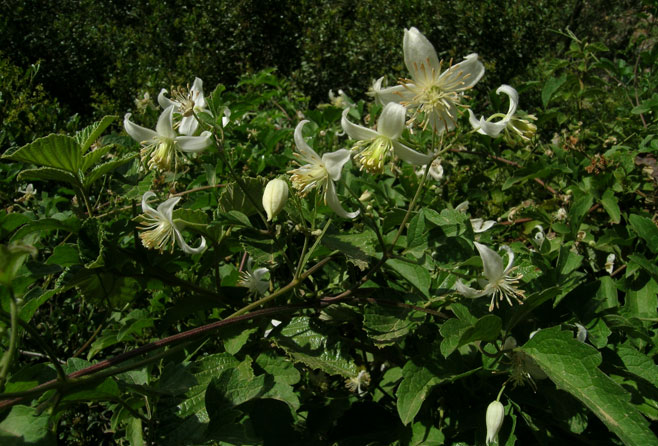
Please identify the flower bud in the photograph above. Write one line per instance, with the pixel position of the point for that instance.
(495, 415)
(275, 197)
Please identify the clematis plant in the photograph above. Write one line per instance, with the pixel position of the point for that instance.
(319, 172)
(254, 279)
(434, 93)
(499, 284)
(187, 103)
(508, 122)
(160, 147)
(160, 230)
(373, 147)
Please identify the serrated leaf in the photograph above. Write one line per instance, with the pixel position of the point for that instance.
(279, 367)
(56, 151)
(234, 386)
(233, 198)
(415, 274)
(71, 225)
(301, 340)
(573, 366)
(646, 229)
(92, 158)
(101, 170)
(457, 332)
(639, 364)
(452, 222)
(388, 325)
(578, 210)
(414, 388)
(355, 246)
(87, 136)
(48, 174)
(551, 86)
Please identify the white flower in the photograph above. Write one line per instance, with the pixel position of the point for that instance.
(319, 172)
(254, 280)
(275, 197)
(356, 383)
(508, 122)
(28, 192)
(436, 170)
(161, 146)
(610, 263)
(499, 283)
(462, 207)
(186, 103)
(540, 236)
(494, 420)
(480, 225)
(160, 230)
(430, 91)
(581, 334)
(339, 101)
(374, 146)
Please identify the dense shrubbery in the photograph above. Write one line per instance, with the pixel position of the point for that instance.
(360, 331)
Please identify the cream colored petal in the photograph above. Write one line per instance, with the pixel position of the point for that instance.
(163, 100)
(187, 249)
(420, 56)
(355, 131)
(148, 210)
(333, 202)
(166, 208)
(194, 143)
(510, 258)
(165, 126)
(463, 75)
(391, 121)
(513, 99)
(398, 93)
(137, 132)
(410, 155)
(188, 125)
(491, 262)
(467, 291)
(302, 147)
(334, 162)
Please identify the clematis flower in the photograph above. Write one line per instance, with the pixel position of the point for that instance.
(499, 284)
(357, 384)
(436, 170)
(160, 230)
(480, 225)
(373, 147)
(434, 93)
(508, 122)
(254, 279)
(160, 147)
(187, 103)
(319, 172)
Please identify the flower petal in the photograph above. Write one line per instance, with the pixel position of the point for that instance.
(334, 162)
(355, 131)
(491, 262)
(194, 143)
(148, 210)
(187, 249)
(137, 132)
(419, 56)
(462, 76)
(334, 204)
(166, 208)
(188, 125)
(479, 225)
(467, 291)
(510, 258)
(513, 99)
(303, 148)
(391, 121)
(163, 100)
(165, 126)
(410, 155)
(398, 93)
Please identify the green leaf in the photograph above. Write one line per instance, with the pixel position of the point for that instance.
(87, 136)
(578, 210)
(281, 368)
(642, 303)
(233, 387)
(233, 198)
(57, 151)
(389, 325)
(48, 174)
(355, 246)
(550, 87)
(71, 225)
(415, 274)
(573, 366)
(92, 158)
(101, 170)
(134, 432)
(456, 332)
(646, 229)
(305, 343)
(414, 388)
(26, 426)
(609, 202)
(639, 364)
(452, 222)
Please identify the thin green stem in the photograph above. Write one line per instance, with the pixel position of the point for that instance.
(305, 258)
(13, 340)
